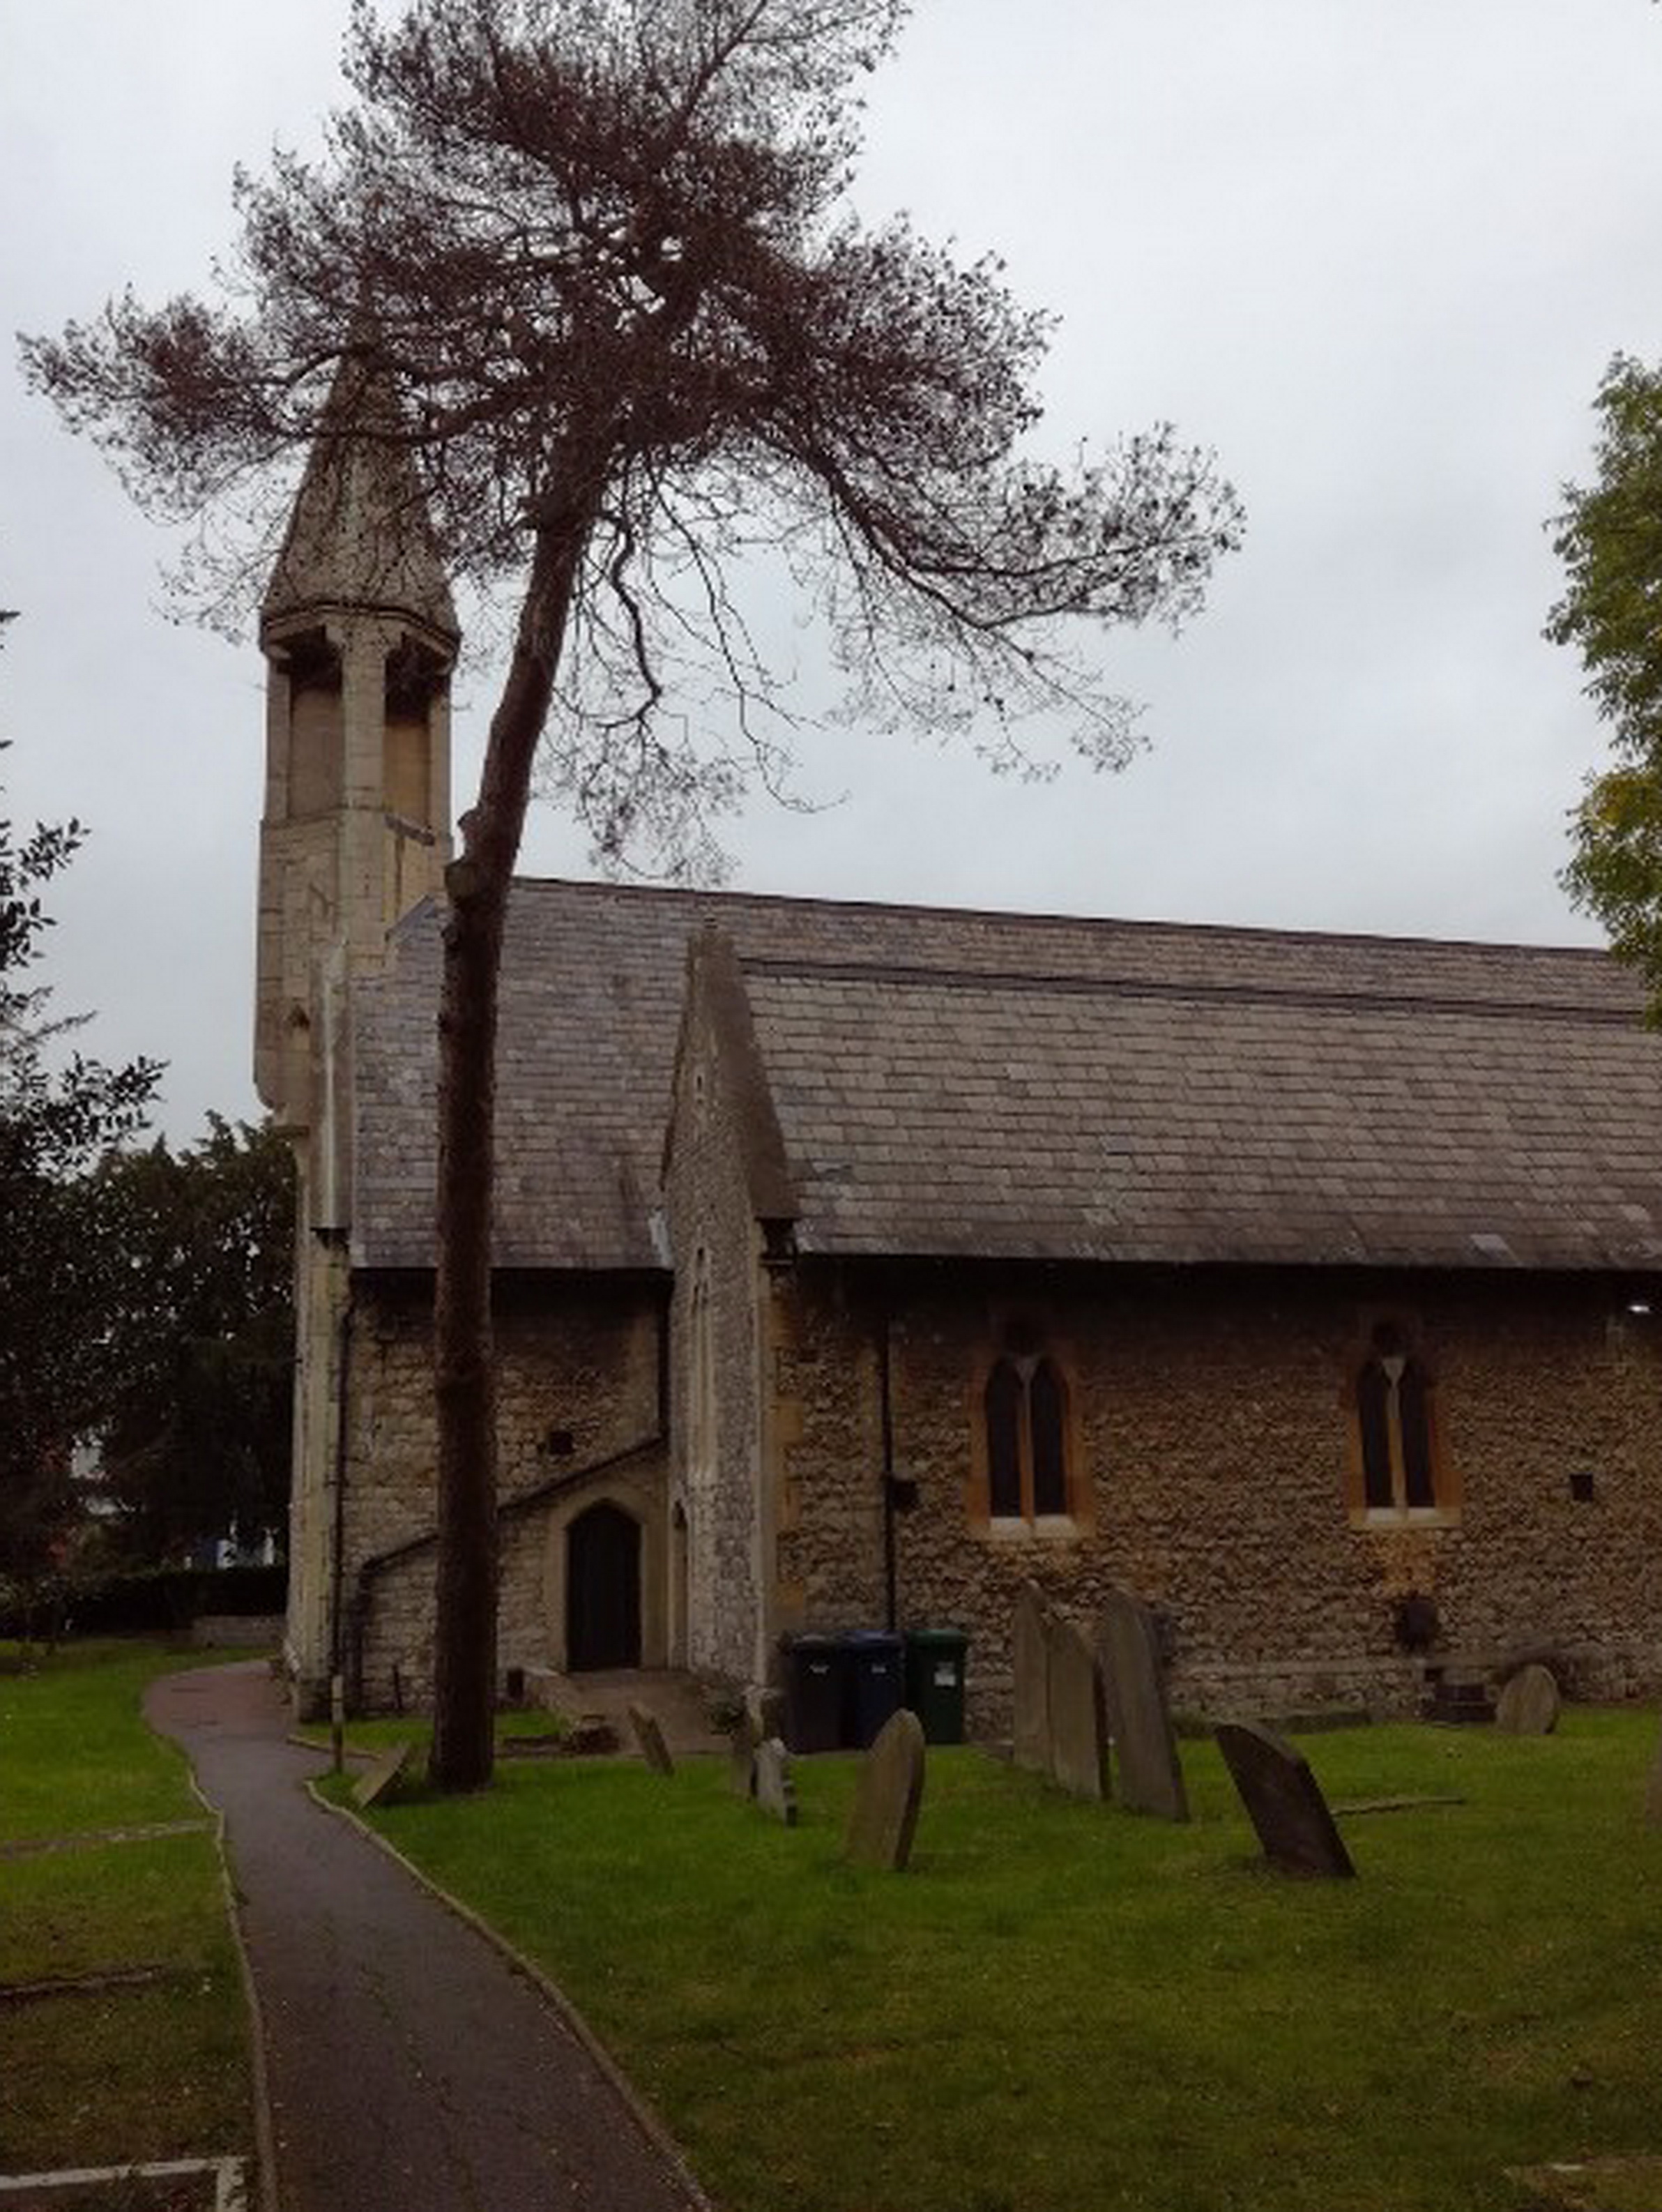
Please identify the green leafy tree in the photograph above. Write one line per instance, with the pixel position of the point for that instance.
(55, 1263)
(195, 1439)
(602, 252)
(1609, 540)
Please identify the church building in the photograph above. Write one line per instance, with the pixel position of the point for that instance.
(856, 1264)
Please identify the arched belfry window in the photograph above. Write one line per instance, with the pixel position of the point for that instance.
(1397, 1442)
(1024, 1416)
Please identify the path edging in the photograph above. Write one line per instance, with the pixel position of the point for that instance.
(265, 2139)
(651, 2125)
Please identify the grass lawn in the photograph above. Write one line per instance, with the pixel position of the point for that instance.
(1061, 2007)
(109, 2072)
(381, 1734)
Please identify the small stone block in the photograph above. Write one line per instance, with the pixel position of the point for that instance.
(1283, 1801)
(649, 1738)
(1530, 1703)
(776, 1792)
(1030, 1662)
(885, 1800)
(380, 1780)
(591, 1734)
(1079, 1715)
(742, 1757)
(1594, 2184)
(1147, 1772)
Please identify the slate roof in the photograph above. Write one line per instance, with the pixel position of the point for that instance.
(1028, 1086)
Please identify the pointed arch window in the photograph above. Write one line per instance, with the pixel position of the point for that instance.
(1399, 1460)
(1024, 1422)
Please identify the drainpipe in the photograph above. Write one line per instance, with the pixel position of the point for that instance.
(886, 1406)
(343, 1370)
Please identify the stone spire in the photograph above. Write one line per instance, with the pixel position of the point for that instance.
(359, 536)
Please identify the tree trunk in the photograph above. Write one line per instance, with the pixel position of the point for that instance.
(477, 881)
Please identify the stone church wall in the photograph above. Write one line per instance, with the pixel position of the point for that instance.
(1210, 1436)
(578, 1384)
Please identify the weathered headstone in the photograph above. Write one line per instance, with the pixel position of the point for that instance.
(1147, 1774)
(742, 1757)
(1529, 1704)
(380, 1779)
(649, 1737)
(1030, 1665)
(889, 1791)
(1078, 1717)
(1283, 1801)
(776, 1792)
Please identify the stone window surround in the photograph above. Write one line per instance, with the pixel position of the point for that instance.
(1027, 1345)
(1444, 1512)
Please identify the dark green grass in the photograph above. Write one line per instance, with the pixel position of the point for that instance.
(1061, 2006)
(75, 1754)
(102, 2075)
(73, 1912)
(379, 1734)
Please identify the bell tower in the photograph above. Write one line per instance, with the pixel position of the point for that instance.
(359, 635)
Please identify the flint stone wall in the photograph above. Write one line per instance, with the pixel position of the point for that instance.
(1209, 1417)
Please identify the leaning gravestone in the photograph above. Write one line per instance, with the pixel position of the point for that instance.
(1148, 1773)
(649, 1736)
(1528, 1705)
(776, 1792)
(742, 1757)
(889, 1791)
(1030, 1664)
(1079, 1718)
(382, 1778)
(1283, 1801)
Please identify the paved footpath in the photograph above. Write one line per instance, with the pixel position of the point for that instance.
(409, 2067)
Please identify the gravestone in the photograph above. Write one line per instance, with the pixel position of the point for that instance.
(381, 1779)
(887, 1796)
(649, 1736)
(1030, 1665)
(742, 1757)
(1147, 1774)
(1283, 1801)
(1530, 1702)
(776, 1792)
(1079, 1717)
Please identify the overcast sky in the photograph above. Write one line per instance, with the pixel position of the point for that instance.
(1376, 253)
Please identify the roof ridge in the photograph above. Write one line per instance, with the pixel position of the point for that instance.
(1262, 932)
(906, 974)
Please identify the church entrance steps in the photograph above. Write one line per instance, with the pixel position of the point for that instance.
(678, 1701)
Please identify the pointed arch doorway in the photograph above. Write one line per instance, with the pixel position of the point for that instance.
(603, 1589)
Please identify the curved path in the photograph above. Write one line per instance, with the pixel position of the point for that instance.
(409, 2066)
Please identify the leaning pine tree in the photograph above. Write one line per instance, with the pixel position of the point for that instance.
(600, 250)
